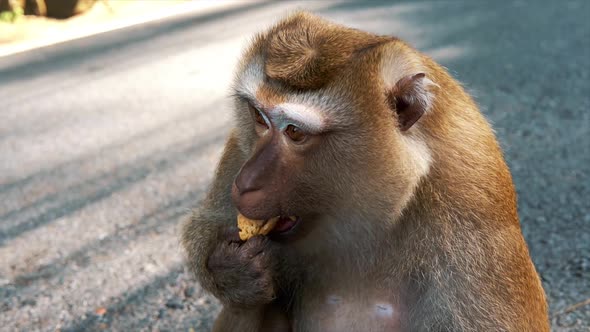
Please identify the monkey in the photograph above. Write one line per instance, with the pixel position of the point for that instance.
(397, 210)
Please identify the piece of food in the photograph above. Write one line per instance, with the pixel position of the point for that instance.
(249, 228)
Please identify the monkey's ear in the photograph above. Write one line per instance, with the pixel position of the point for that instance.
(410, 98)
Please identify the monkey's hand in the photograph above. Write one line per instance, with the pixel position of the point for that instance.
(243, 271)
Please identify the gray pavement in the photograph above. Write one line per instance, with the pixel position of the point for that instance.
(106, 141)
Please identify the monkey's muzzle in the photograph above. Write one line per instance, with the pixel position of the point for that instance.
(249, 227)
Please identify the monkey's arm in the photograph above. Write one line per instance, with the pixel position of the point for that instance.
(240, 274)
(201, 229)
(479, 291)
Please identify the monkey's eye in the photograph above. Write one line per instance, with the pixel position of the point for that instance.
(294, 133)
(258, 117)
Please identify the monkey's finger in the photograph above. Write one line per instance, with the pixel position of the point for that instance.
(255, 245)
(230, 234)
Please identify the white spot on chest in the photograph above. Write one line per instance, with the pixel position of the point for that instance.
(355, 313)
(333, 299)
(384, 310)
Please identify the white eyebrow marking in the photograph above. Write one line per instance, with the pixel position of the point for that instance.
(308, 118)
(251, 78)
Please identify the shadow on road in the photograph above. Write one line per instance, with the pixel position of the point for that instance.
(127, 306)
(77, 196)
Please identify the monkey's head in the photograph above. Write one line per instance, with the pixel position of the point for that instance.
(328, 120)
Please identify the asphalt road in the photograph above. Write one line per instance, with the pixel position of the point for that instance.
(106, 141)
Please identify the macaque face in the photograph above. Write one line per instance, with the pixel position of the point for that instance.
(287, 139)
(307, 155)
(324, 137)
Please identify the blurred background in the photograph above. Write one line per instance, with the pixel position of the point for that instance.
(113, 114)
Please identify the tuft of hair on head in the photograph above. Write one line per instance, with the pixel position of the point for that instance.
(306, 52)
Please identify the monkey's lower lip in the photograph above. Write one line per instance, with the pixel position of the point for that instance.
(285, 224)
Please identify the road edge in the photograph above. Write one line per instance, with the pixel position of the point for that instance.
(192, 7)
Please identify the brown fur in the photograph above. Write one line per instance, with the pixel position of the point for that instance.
(423, 220)
(267, 96)
(305, 52)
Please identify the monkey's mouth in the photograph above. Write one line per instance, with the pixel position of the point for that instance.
(285, 224)
(278, 227)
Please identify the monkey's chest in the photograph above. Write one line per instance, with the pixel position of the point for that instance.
(350, 311)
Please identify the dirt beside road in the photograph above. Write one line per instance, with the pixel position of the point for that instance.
(29, 29)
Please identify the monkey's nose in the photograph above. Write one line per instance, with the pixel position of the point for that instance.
(245, 182)
(250, 203)
(240, 191)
